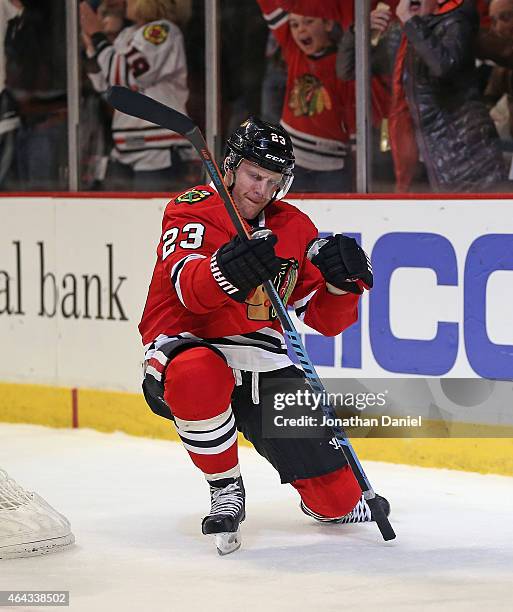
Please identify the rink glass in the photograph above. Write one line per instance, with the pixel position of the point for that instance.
(251, 80)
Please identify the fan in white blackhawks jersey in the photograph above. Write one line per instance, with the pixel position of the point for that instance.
(148, 56)
(215, 352)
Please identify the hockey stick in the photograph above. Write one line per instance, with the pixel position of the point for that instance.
(138, 105)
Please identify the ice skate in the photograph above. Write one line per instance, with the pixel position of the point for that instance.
(226, 513)
(361, 513)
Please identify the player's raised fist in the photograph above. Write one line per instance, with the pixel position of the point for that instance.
(242, 265)
(342, 262)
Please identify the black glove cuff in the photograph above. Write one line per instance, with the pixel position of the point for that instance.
(239, 295)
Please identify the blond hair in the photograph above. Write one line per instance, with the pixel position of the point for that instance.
(153, 10)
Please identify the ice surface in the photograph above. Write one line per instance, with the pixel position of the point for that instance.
(136, 505)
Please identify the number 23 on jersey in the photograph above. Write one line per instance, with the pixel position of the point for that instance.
(191, 237)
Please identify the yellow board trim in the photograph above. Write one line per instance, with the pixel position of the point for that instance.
(35, 404)
(110, 411)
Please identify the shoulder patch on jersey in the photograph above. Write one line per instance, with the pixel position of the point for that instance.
(156, 33)
(193, 196)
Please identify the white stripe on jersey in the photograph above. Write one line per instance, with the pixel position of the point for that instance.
(300, 305)
(316, 153)
(154, 372)
(160, 357)
(128, 140)
(276, 18)
(252, 352)
(175, 276)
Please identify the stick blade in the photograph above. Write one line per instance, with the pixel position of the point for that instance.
(381, 519)
(138, 105)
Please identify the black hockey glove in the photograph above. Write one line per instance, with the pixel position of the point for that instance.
(342, 262)
(242, 265)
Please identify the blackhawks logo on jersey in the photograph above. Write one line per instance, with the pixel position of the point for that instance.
(193, 196)
(258, 304)
(309, 96)
(156, 33)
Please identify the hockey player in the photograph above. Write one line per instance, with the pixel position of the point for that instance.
(213, 345)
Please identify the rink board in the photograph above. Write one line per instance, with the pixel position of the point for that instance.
(110, 411)
(74, 274)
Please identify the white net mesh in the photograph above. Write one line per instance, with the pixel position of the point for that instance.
(28, 524)
(12, 496)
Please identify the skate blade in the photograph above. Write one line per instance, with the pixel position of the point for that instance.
(32, 549)
(228, 542)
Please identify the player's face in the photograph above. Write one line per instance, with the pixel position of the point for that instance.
(254, 187)
(311, 34)
(501, 15)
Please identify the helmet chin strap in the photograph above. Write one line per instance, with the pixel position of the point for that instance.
(226, 170)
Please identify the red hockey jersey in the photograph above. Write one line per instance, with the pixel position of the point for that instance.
(184, 300)
(319, 110)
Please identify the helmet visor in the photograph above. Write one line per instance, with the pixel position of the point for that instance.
(285, 184)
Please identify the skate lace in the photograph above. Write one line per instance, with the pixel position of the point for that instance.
(227, 501)
(359, 514)
(12, 495)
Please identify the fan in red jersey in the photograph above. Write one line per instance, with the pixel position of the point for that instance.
(215, 349)
(319, 109)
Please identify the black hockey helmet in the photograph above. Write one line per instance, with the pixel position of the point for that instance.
(265, 144)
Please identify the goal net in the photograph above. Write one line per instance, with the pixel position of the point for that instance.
(28, 524)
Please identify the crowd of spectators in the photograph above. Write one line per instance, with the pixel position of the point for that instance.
(441, 91)
(34, 65)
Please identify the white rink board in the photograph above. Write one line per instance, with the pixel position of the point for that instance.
(77, 351)
(83, 237)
